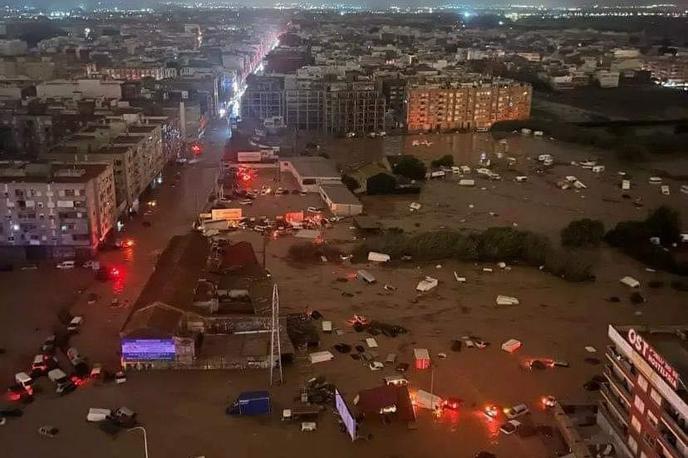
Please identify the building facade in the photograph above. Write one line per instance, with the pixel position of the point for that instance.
(136, 156)
(56, 210)
(335, 107)
(466, 106)
(644, 404)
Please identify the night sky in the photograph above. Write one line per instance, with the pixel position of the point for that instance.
(67, 4)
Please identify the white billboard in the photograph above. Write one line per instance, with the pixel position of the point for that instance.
(345, 414)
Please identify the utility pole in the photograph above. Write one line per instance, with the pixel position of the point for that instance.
(275, 344)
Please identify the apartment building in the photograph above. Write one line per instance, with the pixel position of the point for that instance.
(669, 70)
(644, 405)
(330, 107)
(466, 105)
(135, 153)
(137, 72)
(73, 89)
(55, 210)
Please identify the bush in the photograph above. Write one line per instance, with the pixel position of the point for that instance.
(535, 249)
(665, 223)
(382, 183)
(568, 265)
(445, 161)
(582, 232)
(431, 246)
(311, 252)
(501, 244)
(410, 167)
(493, 244)
(633, 238)
(631, 153)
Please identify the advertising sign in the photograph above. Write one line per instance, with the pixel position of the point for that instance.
(345, 413)
(231, 214)
(654, 359)
(148, 349)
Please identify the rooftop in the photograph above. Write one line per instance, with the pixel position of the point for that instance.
(127, 140)
(38, 172)
(308, 166)
(340, 194)
(672, 345)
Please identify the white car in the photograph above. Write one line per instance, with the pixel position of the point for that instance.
(510, 427)
(66, 265)
(516, 411)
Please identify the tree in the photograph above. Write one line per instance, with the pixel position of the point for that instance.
(410, 167)
(582, 232)
(445, 161)
(382, 183)
(631, 152)
(664, 222)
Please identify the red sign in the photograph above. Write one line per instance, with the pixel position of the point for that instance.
(653, 358)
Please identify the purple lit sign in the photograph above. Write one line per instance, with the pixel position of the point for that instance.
(148, 349)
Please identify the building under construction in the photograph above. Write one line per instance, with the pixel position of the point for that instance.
(330, 107)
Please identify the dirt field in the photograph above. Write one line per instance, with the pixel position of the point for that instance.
(183, 412)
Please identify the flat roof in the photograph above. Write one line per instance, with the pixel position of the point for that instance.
(110, 149)
(308, 166)
(340, 194)
(127, 139)
(54, 173)
(142, 129)
(672, 345)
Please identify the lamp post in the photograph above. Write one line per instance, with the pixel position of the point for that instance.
(145, 438)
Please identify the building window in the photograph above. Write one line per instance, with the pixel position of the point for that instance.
(639, 404)
(652, 419)
(656, 397)
(636, 423)
(642, 382)
(632, 444)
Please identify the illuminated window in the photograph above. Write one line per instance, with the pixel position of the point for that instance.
(642, 382)
(639, 404)
(636, 424)
(652, 419)
(656, 397)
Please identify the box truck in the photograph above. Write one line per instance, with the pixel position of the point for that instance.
(250, 403)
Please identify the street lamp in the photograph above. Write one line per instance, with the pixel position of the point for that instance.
(145, 438)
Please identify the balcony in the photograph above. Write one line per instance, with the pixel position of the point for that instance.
(672, 424)
(620, 429)
(621, 363)
(667, 446)
(620, 384)
(615, 404)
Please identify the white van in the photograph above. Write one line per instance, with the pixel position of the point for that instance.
(23, 379)
(66, 265)
(95, 414)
